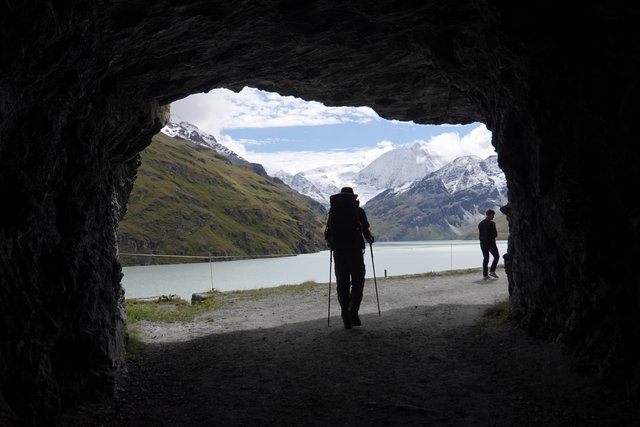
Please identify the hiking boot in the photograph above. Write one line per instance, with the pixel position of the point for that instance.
(346, 319)
(355, 320)
(493, 274)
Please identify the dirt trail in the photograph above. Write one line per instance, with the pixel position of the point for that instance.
(426, 360)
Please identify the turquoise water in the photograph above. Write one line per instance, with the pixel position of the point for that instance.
(397, 258)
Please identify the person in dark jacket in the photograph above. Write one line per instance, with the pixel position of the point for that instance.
(488, 235)
(348, 253)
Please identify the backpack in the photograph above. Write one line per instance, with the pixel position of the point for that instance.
(343, 223)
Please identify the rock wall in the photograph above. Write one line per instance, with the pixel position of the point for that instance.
(570, 163)
(80, 95)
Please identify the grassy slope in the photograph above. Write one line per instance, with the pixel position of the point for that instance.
(188, 200)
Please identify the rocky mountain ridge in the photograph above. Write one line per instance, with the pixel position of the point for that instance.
(446, 204)
(190, 132)
(408, 192)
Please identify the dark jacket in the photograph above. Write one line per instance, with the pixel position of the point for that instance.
(487, 229)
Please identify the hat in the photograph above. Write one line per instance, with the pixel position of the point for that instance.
(347, 190)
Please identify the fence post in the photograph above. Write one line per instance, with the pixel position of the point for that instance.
(451, 256)
(211, 270)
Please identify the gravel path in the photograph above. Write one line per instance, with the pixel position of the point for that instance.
(393, 293)
(427, 360)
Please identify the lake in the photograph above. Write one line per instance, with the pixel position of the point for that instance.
(397, 258)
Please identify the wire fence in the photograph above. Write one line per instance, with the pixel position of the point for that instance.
(206, 256)
(233, 272)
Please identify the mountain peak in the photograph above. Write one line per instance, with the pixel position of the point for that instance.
(191, 132)
(445, 204)
(466, 172)
(397, 167)
(301, 184)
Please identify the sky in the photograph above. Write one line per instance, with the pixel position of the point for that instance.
(292, 134)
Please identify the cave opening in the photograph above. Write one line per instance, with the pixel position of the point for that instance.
(315, 150)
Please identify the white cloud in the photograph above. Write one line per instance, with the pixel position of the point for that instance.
(252, 108)
(297, 161)
(221, 109)
(450, 145)
(445, 147)
(237, 146)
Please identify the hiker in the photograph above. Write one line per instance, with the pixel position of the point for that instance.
(488, 235)
(346, 226)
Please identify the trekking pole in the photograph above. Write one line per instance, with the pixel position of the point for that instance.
(329, 304)
(375, 281)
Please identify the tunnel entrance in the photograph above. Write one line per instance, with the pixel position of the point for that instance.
(188, 208)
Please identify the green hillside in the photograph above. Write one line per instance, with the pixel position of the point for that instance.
(188, 200)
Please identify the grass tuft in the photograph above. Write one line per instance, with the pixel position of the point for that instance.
(497, 314)
(175, 309)
(434, 274)
(251, 294)
(134, 347)
(168, 310)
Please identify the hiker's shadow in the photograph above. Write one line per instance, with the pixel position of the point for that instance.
(484, 281)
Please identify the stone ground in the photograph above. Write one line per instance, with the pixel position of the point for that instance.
(428, 359)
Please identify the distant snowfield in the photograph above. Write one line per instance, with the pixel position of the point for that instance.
(397, 170)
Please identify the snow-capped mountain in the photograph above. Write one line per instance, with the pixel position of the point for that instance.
(191, 132)
(471, 171)
(329, 179)
(302, 185)
(398, 167)
(444, 204)
(393, 169)
(394, 172)
(407, 192)
(321, 182)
